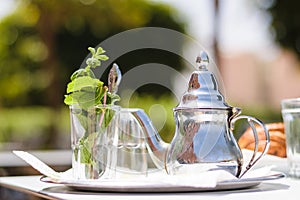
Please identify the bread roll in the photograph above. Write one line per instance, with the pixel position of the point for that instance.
(277, 139)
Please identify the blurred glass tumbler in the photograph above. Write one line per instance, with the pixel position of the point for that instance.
(132, 152)
(94, 138)
(291, 118)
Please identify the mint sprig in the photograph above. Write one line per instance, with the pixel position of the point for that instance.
(85, 91)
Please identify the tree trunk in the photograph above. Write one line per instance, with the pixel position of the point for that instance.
(50, 66)
(216, 34)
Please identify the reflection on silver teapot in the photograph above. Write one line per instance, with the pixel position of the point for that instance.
(204, 125)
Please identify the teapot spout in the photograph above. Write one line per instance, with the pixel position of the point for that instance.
(157, 148)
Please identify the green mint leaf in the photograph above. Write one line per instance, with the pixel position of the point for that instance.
(99, 95)
(87, 145)
(92, 50)
(85, 155)
(83, 119)
(93, 62)
(82, 72)
(100, 51)
(84, 99)
(109, 114)
(112, 98)
(69, 100)
(102, 57)
(83, 82)
(77, 73)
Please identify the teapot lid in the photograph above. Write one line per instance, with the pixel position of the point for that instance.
(202, 91)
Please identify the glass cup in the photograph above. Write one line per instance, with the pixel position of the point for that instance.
(291, 118)
(132, 152)
(94, 137)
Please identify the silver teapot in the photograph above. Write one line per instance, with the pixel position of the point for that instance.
(203, 137)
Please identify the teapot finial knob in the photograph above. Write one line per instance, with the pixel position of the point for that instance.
(203, 60)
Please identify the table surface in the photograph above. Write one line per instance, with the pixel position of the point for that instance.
(275, 189)
(284, 188)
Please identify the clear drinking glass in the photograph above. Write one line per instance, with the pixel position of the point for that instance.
(291, 118)
(132, 152)
(94, 137)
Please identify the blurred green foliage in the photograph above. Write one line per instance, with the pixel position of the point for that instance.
(43, 42)
(159, 110)
(285, 23)
(263, 113)
(30, 128)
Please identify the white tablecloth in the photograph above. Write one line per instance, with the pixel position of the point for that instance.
(281, 189)
(285, 188)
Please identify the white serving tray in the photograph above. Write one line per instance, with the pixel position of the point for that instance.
(156, 186)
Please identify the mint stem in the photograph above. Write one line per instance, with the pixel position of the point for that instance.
(104, 104)
(100, 123)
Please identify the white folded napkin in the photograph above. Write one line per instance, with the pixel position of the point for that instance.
(42, 167)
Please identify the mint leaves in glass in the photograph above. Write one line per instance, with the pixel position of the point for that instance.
(85, 90)
(93, 118)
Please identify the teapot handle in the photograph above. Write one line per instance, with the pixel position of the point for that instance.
(251, 121)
